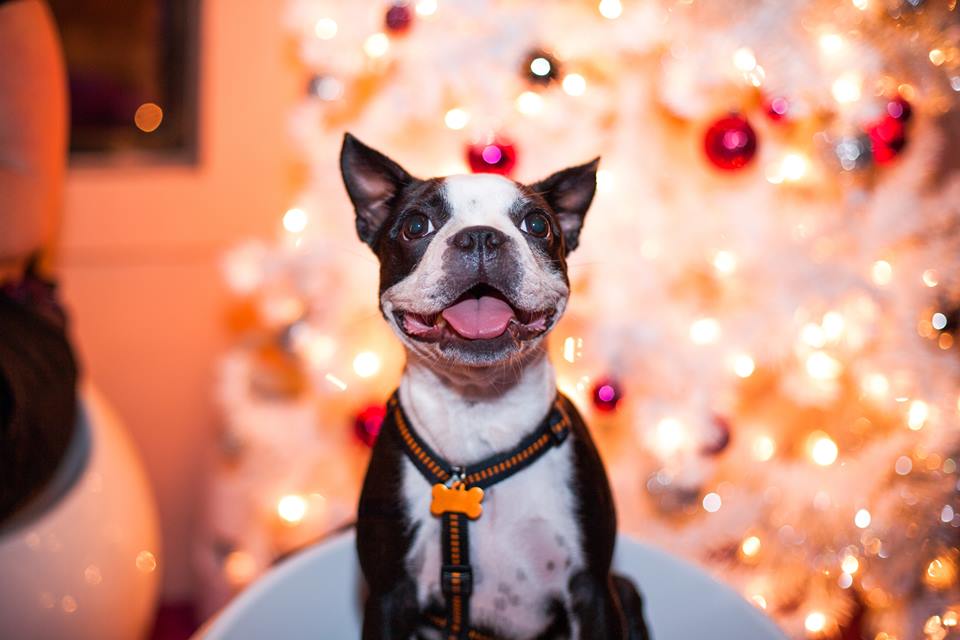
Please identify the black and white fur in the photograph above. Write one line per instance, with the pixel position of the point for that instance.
(541, 552)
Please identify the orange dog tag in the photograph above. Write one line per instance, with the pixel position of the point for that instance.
(457, 499)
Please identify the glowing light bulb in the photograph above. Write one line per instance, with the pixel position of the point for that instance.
(456, 118)
(750, 547)
(847, 88)
(427, 7)
(831, 43)
(292, 509)
(823, 450)
(725, 262)
(574, 84)
(881, 272)
(670, 436)
(876, 384)
(937, 57)
(861, 4)
(763, 448)
(744, 60)
(529, 103)
(325, 28)
(930, 278)
(295, 220)
(376, 45)
(822, 366)
(917, 415)
(366, 364)
(758, 601)
(850, 564)
(862, 519)
(610, 9)
(833, 324)
(794, 167)
(705, 331)
(712, 502)
(540, 66)
(815, 622)
(743, 365)
(571, 348)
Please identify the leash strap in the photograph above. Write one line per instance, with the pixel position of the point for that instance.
(457, 498)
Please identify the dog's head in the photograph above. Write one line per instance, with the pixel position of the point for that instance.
(472, 268)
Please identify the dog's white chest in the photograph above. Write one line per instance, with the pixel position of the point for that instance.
(523, 549)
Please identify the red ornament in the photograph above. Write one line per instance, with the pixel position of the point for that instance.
(730, 143)
(399, 17)
(899, 109)
(607, 395)
(777, 108)
(492, 155)
(367, 424)
(887, 139)
(720, 439)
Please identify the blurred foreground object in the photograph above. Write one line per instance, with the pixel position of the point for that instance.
(83, 560)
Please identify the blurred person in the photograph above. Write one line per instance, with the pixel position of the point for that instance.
(37, 367)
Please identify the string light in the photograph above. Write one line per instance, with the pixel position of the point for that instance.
(325, 28)
(295, 220)
(792, 167)
(750, 547)
(427, 7)
(831, 43)
(572, 348)
(743, 365)
(823, 450)
(574, 84)
(148, 117)
(146, 561)
(725, 262)
(815, 622)
(763, 448)
(850, 564)
(712, 502)
(670, 436)
(610, 9)
(822, 366)
(744, 60)
(930, 278)
(937, 57)
(917, 415)
(759, 601)
(705, 331)
(376, 45)
(366, 364)
(881, 272)
(335, 381)
(876, 384)
(847, 88)
(240, 568)
(861, 4)
(456, 118)
(862, 519)
(529, 103)
(938, 321)
(540, 66)
(292, 509)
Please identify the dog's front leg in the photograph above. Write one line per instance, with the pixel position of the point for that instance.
(391, 615)
(594, 613)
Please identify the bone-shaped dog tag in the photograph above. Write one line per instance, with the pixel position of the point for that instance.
(457, 499)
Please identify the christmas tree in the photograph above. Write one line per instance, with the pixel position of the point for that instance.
(765, 297)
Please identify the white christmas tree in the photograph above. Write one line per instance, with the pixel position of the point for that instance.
(761, 332)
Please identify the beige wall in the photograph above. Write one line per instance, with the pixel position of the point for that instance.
(140, 252)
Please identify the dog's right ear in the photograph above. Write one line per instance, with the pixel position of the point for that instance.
(372, 180)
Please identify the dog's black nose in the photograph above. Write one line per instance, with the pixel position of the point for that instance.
(478, 239)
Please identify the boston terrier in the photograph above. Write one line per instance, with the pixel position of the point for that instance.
(479, 517)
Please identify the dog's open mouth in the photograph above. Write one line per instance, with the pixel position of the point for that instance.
(482, 313)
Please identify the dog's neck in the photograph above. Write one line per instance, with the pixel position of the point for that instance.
(471, 414)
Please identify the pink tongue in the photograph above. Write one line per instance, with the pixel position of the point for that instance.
(479, 319)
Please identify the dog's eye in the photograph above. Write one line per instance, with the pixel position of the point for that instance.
(536, 224)
(417, 226)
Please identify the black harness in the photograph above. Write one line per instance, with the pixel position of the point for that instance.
(457, 496)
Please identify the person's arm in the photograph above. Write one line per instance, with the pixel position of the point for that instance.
(33, 132)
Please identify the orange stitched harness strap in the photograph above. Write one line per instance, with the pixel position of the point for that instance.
(456, 575)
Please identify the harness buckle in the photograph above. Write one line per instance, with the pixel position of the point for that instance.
(456, 579)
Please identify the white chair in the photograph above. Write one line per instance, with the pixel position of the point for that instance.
(315, 595)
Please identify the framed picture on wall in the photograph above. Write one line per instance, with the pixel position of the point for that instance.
(133, 72)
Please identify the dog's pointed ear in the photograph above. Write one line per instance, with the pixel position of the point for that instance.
(372, 180)
(569, 193)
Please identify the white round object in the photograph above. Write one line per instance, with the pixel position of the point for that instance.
(81, 561)
(316, 594)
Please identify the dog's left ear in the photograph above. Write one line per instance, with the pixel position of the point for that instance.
(372, 180)
(569, 193)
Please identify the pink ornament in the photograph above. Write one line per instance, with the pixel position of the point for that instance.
(367, 424)
(607, 395)
(899, 109)
(492, 155)
(730, 143)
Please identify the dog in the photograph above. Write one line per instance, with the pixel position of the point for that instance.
(473, 276)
